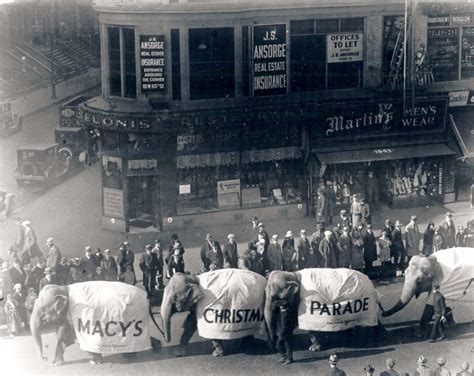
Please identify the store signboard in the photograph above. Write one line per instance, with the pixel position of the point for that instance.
(443, 50)
(152, 63)
(228, 186)
(345, 47)
(270, 76)
(461, 19)
(377, 118)
(439, 20)
(461, 98)
(113, 203)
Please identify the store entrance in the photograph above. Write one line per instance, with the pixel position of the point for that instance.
(143, 202)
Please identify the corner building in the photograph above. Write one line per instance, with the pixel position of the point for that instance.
(215, 111)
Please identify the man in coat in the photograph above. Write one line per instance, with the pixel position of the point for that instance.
(321, 207)
(54, 255)
(211, 254)
(344, 220)
(126, 258)
(88, 264)
(333, 369)
(63, 272)
(302, 246)
(250, 261)
(158, 251)
(441, 370)
(109, 266)
(30, 245)
(356, 210)
(37, 274)
(48, 279)
(17, 273)
(274, 255)
(397, 245)
(438, 333)
(370, 248)
(316, 238)
(344, 243)
(149, 266)
(328, 251)
(390, 363)
(413, 238)
(371, 189)
(231, 255)
(447, 231)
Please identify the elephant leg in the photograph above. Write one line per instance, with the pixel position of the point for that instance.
(280, 346)
(315, 345)
(247, 344)
(190, 327)
(65, 337)
(96, 358)
(426, 316)
(219, 351)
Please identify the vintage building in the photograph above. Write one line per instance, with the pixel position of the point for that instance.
(215, 111)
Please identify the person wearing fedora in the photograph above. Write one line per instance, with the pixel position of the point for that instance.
(333, 369)
(274, 255)
(370, 248)
(441, 370)
(413, 238)
(447, 231)
(289, 252)
(230, 252)
(53, 257)
(438, 333)
(398, 247)
(423, 369)
(328, 251)
(302, 246)
(390, 363)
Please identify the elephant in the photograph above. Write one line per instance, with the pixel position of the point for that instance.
(222, 304)
(451, 269)
(105, 318)
(328, 300)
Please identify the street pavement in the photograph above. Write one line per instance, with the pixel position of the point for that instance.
(71, 213)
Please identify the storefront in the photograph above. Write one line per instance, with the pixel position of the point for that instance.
(407, 150)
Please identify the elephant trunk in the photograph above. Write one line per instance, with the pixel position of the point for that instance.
(35, 327)
(166, 313)
(407, 294)
(268, 315)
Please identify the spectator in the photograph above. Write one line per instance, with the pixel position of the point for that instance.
(20, 235)
(371, 189)
(464, 370)
(302, 246)
(288, 249)
(75, 273)
(412, 238)
(205, 251)
(437, 241)
(176, 263)
(14, 324)
(316, 237)
(17, 273)
(149, 266)
(344, 220)
(274, 255)
(264, 234)
(334, 370)
(126, 258)
(447, 231)
(48, 279)
(365, 212)
(98, 274)
(98, 255)
(390, 371)
(230, 253)
(249, 261)
(20, 298)
(37, 274)
(13, 254)
(357, 256)
(321, 207)
(211, 255)
(428, 239)
(158, 251)
(384, 244)
(54, 255)
(461, 237)
(423, 369)
(63, 272)
(330, 196)
(129, 276)
(313, 258)
(109, 266)
(441, 370)
(438, 333)
(370, 248)
(328, 251)
(398, 248)
(6, 284)
(30, 302)
(88, 264)
(356, 210)
(174, 240)
(344, 244)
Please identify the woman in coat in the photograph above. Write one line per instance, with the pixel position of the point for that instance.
(384, 244)
(357, 262)
(288, 249)
(428, 237)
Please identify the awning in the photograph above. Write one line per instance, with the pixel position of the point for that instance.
(462, 124)
(383, 154)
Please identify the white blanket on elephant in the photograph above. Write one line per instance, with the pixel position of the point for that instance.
(458, 269)
(232, 306)
(336, 299)
(110, 317)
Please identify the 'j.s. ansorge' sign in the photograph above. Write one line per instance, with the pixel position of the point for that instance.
(152, 63)
(269, 60)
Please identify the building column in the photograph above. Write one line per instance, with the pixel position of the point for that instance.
(373, 56)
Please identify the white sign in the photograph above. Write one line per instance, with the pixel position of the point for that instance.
(228, 186)
(113, 203)
(336, 299)
(109, 317)
(344, 47)
(184, 189)
(458, 98)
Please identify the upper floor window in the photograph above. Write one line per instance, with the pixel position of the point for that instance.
(326, 54)
(121, 62)
(211, 63)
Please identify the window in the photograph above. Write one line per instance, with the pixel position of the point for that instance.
(122, 70)
(175, 65)
(314, 63)
(245, 62)
(211, 63)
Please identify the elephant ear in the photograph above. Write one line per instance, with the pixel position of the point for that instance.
(293, 287)
(60, 303)
(194, 294)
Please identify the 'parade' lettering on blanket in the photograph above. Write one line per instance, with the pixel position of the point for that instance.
(335, 309)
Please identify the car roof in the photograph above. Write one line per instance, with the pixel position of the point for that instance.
(38, 147)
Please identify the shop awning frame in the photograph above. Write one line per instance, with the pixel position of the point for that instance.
(385, 153)
(466, 147)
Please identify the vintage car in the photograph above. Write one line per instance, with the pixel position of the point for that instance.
(77, 144)
(40, 163)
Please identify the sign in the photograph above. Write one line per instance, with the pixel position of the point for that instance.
(228, 186)
(142, 164)
(152, 63)
(109, 317)
(443, 51)
(336, 299)
(378, 118)
(345, 47)
(269, 60)
(441, 20)
(113, 203)
(467, 53)
(184, 189)
(232, 305)
(458, 98)
(461, 19)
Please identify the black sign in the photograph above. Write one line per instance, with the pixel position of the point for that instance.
(152, 63)
(438, 20)
(467, 53)
(443, 50)
(269, 60)
(378, 118)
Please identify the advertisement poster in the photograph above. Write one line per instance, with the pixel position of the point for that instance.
(152, 63)
(269, 60)
(345, 47)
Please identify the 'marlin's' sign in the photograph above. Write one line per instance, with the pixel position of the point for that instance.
(375, 118)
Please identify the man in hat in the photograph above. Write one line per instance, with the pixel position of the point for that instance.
(370, 248)
(461, 237)
(289, 253)
(54, 255)
(37, 274)
(328, 251)
(211, 254)
(149, 265)
(231, 255)
(390, 363)
(302, 246)
(344, 219)
(17, 273)
(126, 258)
(109, 266)
(321, 207)
(274, 255)
(356, 210)
(30, 245)
(397, 245)
(371, 189)
(447, 231)
(87, 264)
(413, 237)
(441, 370)
(250, 261)
(48, 279)
(262, 233)
(19, 236)
(438, 333)
(158, 251)
(365, 211)
(423, 369)
(333, 369)
(63, 272)
(344, 246)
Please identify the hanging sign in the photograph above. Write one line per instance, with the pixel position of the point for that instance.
(269, 60)
(345, 47)
(152, 63)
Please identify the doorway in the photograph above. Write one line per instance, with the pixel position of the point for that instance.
(143, 202)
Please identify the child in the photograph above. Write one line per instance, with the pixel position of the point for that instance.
(128, 276)
(437, 241)
(30, 302)
(176, 263)
(13, 318)
(384, 244)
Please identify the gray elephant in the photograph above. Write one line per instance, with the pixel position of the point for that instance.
(451, 269)
(105, 318)
(327, 300)
(223, 304)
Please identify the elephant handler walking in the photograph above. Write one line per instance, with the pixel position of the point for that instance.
(439, 307)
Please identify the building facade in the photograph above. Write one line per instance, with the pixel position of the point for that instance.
(215, 111)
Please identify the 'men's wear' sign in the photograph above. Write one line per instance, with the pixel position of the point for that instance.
(269, 60)
(152, 63)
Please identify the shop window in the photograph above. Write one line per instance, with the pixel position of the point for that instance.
(121, 62)
(211, 63)
(312, 62)
(245, 62)
(175, 65)
(109, 141)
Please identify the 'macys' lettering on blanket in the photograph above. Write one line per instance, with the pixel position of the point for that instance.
(110, 328)
(232, 316)
(335, 309)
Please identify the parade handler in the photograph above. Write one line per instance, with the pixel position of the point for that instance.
(328, 300)
(105, 317)
(224, 304)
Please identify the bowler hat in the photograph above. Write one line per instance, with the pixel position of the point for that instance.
(333, 359)
(422, 360)
(106, 251)
(441, 361)
(327, 232)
